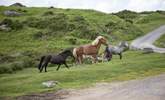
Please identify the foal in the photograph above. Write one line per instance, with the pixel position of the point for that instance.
(55, 59)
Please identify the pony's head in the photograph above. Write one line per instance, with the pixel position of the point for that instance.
(100, 39)
(107, 54)
(124, 44)
(68, 52)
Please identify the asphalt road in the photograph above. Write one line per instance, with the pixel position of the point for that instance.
(151, 88)
(148, 40)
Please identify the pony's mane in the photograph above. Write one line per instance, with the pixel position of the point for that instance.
(123, 43)
(96, 41)
(67, 50)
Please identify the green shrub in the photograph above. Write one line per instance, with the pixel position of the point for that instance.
(72, 40)
(81, 28)
(28, 62)
(143, 20)
(7, 21)
(48, 13)
(17, 66)
(38, 35)
(5, 68)
(13, 24)
(32, 21)
(21, 10)
(59, 22)
(6, 58)
(127, 15)
(16, 25)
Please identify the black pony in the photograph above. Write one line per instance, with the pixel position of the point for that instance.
(55, 59)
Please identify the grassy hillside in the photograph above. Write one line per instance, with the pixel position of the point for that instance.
(39, 31)
(160, 42)
(133, 65)
(145, 21)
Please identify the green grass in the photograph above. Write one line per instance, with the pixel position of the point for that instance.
(148, 22)
(134, 65)
(160, 42)
(22, 44)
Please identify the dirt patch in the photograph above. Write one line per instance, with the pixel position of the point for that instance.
(45, 96)
(150, 88)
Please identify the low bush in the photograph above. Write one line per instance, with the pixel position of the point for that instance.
(48, 13)
(5, 68)
(38, 35)
(31, 22)
(16, 66)
(72, 40)
(58, 23)
(127, 15)
(28, 62)
(13, 24)
(6, 58)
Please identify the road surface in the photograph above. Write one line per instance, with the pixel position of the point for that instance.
(151, 88)
(148, 40)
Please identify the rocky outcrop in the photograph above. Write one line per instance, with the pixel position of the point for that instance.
(18, 5)
(11, 13)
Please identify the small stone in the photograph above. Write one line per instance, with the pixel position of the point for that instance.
(50, 84)
(148, 50)
(4, 28)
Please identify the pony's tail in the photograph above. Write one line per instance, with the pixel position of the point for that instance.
(75, 53)
(40, 64)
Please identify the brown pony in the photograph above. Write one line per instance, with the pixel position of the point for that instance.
(89, 49)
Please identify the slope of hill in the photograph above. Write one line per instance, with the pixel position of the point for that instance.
(160, 42)
(39, 31)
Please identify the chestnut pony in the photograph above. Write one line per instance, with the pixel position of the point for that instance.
(89, 49)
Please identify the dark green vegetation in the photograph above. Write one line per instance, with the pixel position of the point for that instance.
(133, 65)
(161, 41)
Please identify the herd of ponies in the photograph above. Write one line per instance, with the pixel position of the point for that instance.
(80, 52)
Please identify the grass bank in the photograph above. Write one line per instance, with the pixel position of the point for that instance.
(134, 65)
(160, 42)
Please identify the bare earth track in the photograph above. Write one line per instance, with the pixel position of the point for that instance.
(150, 88)
(148, 40)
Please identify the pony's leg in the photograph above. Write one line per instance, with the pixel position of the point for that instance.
(58, 67)
(111, 57)
(66, 65)
(46, 64)
(42, 68)
(120, 55)
(103, 57)
(94, 58)
(81, 59)
(41, 61)
(77, 60)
